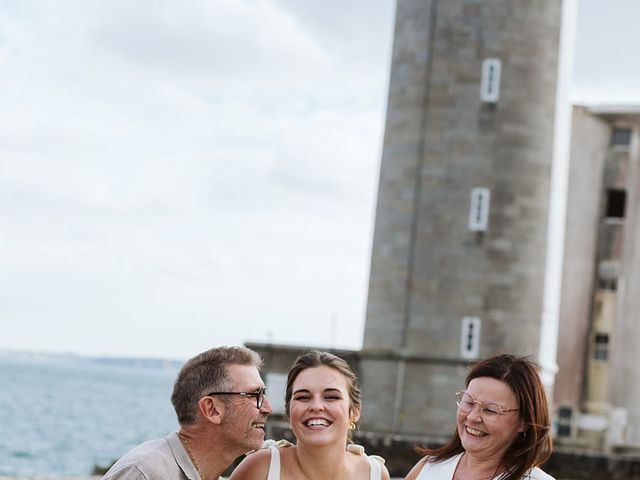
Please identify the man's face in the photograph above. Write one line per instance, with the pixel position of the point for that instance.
(243, 421)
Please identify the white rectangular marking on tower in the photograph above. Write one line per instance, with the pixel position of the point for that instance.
(470, 338)
(479, 209)
(490, 82)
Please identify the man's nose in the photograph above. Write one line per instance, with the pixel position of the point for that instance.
(266, 405)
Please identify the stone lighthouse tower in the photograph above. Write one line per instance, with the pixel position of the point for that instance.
(460, 244)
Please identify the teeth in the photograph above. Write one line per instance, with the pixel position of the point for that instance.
(317, 422)
(475, 433)
(259, 425)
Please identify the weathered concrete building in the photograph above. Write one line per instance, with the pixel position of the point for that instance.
(597, 381)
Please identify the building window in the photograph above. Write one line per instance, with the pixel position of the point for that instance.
(616, 200)
(621, 137)
(277, 383)
(608, 273)
(564, 421)
(601, 347)
(608, 284)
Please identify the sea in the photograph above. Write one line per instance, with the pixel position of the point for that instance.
(62, 415)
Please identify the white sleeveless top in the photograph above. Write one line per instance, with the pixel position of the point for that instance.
(445, 469)
(439, 471)
(375, 470)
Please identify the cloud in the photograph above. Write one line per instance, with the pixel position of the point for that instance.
(177, 176)
(606, 66)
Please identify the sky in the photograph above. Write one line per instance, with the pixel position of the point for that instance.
(181, 175)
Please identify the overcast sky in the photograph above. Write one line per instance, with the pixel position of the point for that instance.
(179, 175)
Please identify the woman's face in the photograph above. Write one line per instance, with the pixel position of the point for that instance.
(485, 435)
(320, 408)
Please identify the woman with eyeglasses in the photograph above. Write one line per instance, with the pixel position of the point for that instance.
(322, 400)
(502, 427)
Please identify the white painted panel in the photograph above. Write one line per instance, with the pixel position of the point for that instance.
(470, 338)
(490, 82)
(479, 209)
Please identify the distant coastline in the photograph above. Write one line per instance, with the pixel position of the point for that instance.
(135, 362)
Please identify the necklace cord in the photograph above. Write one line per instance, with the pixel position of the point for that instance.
(192, 457)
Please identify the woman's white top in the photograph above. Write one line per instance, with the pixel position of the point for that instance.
(375, 462)
(444, 471)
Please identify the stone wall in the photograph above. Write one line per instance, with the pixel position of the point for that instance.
(428, 269)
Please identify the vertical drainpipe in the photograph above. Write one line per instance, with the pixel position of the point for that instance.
(558, 200)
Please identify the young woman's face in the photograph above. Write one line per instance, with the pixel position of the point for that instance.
(489, 434)
(320, 409)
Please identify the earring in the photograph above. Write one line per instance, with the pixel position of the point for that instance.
(352, 425)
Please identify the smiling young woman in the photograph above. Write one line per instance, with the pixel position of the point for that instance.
(322, 400)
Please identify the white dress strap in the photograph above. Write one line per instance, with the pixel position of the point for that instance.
(274, 466)
(375, 470)
(375, 462)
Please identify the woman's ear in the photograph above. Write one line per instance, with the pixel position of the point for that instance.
(523, 427)
(355, 414)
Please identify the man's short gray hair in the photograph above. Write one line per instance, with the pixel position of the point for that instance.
(204, 373)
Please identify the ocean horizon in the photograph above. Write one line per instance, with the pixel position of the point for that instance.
(63, 414)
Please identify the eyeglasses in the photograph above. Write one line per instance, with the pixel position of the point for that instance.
(258, 394)
(489, 411)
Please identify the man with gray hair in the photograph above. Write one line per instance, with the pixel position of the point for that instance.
(222, 408)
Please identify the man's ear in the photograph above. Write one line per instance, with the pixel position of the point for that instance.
(211, 409)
